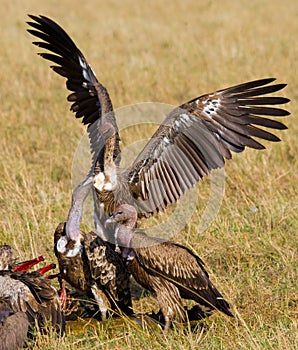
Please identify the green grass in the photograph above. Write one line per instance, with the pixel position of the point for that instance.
(169, 52)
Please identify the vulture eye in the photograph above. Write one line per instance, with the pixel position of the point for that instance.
(119, 213)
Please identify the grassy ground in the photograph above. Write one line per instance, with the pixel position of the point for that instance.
(161, 51)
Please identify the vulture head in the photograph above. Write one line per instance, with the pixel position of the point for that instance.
(125, 216)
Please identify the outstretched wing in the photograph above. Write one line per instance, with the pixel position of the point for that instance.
(90, 99)
(198, 136)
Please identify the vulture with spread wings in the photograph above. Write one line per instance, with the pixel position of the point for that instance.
(195, 137)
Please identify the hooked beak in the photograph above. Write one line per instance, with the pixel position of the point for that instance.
(110, 220)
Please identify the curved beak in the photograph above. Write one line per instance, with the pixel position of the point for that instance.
(110, 220)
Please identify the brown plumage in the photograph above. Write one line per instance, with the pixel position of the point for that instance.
(33, 294)
(6, 258)
(169, 269)
(8, 262)
(97, 269)
(193, 139)
(79, 305)
(13, 327)
(26, 298)
(90, 98)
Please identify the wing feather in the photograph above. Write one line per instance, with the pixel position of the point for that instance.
(169, 260)
(199, 135)
(91, 101)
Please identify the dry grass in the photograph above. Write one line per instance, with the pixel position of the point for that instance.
(163, 51)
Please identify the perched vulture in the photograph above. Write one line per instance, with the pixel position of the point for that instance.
(195, 137)
(168, 269)
(97, 269)
(26, 298)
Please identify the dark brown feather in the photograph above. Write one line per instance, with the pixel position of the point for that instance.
(194, 139)
(179, 266)
(99, 264)
(91, 99)
(205, 130)
(161, 266)
(6, 258)
(13, 327)
(31, 294)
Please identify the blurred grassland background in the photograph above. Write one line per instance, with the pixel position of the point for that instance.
(170, 52)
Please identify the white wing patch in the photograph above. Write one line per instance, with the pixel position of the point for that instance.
(166, 141)
(84, 69)
(184, 120)
(210, 106)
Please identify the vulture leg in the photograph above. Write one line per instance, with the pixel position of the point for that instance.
(170, 303)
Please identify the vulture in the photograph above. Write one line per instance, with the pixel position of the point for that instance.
(195, 138)
(26, 299)
(79, 306)
(6, 258)
(97, 269)
(14, 327)
(7, 262)
(168, 269)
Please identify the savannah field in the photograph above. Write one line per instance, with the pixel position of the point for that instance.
(167, 52)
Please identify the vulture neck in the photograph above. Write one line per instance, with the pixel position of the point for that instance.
(72, 227)
(123, 236)
(124, 232)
